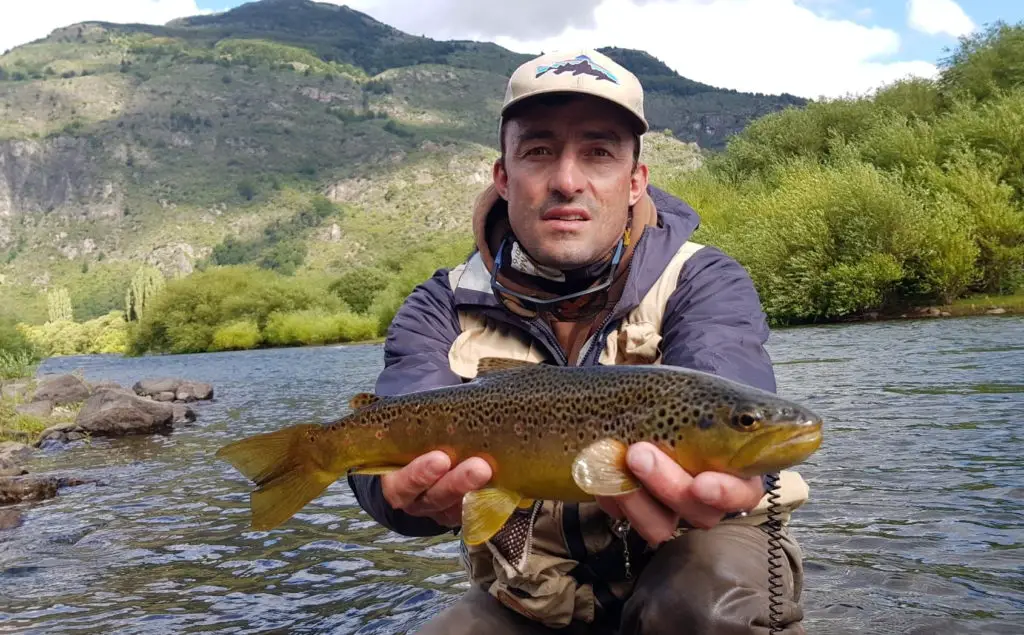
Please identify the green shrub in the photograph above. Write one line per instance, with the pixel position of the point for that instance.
(239, 335)
(105, 334)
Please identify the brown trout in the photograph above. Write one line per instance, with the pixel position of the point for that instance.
(548, 433)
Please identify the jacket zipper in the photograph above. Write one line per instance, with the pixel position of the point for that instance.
(599, 334)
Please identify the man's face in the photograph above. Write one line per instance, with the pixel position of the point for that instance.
(569, 181)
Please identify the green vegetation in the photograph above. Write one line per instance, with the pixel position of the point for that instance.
(19, 427)
(18, 358)
(106, 334)
(286, 172)
(244, 306)
(912, 197)
(146, 285)
(283, 244)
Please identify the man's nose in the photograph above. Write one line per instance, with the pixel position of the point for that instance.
(567, 178)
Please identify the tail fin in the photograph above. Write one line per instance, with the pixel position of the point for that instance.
(283, 465)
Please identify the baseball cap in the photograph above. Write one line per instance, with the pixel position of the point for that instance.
(584, 71)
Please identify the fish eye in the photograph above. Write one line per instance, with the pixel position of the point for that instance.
(746, 421)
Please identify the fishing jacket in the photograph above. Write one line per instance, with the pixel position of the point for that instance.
(681, 303)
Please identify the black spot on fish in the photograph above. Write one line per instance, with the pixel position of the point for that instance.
(706, 421)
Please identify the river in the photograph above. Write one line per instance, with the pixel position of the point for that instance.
(916, 522)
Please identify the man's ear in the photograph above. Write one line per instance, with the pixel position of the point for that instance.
(638, 184)
(500, 177)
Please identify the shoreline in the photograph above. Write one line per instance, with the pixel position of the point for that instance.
(979, 306)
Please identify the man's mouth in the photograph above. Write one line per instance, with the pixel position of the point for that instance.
(565, 214)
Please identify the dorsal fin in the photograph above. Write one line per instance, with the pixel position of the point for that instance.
(362, 400)
(495, 364)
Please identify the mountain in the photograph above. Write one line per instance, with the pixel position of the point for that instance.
(300, 135)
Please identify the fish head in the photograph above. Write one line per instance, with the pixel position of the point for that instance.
(744, 431)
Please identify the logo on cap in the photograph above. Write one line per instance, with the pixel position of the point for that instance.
(579, 65)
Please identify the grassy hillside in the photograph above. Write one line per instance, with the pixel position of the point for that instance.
(176, 146)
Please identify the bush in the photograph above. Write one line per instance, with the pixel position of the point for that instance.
(239, 335)
(357, 287)
(317, 327)
(105, 334)
(185, 316)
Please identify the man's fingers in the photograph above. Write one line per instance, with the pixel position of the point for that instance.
(648, 517)
(471, 474)
(610, 506)
(451, 517)
(671, 485)
(404, 486)
(726, 492)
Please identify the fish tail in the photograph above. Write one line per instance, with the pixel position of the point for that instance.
(284, 465)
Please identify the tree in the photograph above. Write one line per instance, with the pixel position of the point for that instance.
(59, 305)
(145, 285)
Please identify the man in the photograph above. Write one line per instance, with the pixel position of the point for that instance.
(580, 261)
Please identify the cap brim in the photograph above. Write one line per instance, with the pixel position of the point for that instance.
(642, 126)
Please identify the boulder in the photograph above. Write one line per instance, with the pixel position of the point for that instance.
(107, 384)
(32, 487)
(112, 413)
(38, 409)
(13, 453)
(61, 389)
(996, 311)
(62, 432)
(183, 413)
(9, 518)
(164, 396)
(180, 389)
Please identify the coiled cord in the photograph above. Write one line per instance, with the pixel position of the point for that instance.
(774, 530)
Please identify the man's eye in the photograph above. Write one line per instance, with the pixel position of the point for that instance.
(536, 151)
(601, 152)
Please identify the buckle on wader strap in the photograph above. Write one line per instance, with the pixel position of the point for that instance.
(608, 564)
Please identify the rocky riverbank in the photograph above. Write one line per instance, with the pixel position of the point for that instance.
(50, 411)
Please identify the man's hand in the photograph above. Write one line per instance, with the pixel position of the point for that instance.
(670, 493)
(430, 487)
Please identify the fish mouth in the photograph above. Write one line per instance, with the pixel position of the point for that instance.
(778, 450)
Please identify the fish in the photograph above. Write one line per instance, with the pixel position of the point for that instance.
(548, 432)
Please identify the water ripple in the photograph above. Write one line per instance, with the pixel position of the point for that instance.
(915, 525)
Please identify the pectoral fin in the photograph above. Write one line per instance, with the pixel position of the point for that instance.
(600, 469)
(485, 511)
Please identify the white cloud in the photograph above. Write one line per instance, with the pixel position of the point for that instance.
(769, 46)
(938, 16)
(34, 19)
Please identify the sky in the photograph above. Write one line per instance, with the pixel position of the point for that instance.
(809, 48)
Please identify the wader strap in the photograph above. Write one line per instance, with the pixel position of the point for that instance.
(608, 564)
(573, 532)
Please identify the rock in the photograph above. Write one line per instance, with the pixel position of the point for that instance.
(13, 470)
(13, 453)
(14, 389)
(107, 384)
(57, 433)
(10, 518)
(183, 414)
(996, 311)
(164, 396)
(945, 314)
(61, 389)
(931, 312)
(39, 409)
(113, 413)
(32, 487)
(181, 389)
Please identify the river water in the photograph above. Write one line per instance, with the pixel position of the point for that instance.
(916, 523)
